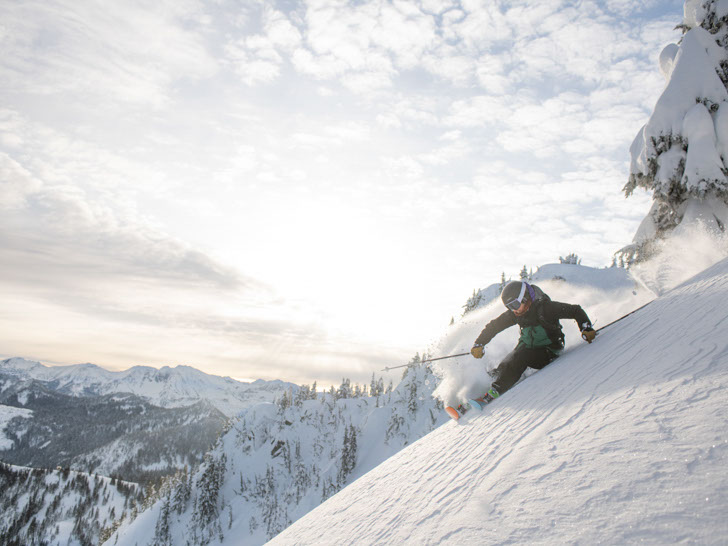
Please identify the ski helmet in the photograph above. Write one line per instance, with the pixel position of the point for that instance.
(516, 293)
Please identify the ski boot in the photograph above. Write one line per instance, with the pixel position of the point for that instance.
(487, 398)
(458, 412)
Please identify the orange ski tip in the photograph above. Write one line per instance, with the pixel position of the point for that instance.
(452, 412)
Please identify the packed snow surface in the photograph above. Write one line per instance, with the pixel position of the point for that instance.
(620, 441)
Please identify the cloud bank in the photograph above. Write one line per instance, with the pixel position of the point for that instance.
(304, 189)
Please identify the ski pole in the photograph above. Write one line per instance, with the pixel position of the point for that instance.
(423, 361)
(386, 369)
(625, 316)
(444, 357)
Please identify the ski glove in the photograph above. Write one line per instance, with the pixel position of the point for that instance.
(477, 351)
(588, 334)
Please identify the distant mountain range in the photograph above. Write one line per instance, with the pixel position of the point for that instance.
(140, 424)
(113, 434)
(164, 387)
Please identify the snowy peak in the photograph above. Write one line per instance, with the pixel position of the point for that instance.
(616, 442)
(19, 366)
(165, 387)
(606, 279)
(117, 434)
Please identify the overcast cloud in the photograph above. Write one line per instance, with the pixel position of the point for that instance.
(304, 190)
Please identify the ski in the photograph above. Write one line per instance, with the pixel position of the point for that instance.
(472, 403)
(476, 403)
(456, 413)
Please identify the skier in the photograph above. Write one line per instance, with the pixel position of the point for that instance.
(541, 340)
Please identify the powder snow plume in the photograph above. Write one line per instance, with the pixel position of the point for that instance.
(606, 294)
(687, 251)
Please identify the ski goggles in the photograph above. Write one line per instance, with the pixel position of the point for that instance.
(514, 305)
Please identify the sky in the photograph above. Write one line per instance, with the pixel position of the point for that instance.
(304, 190)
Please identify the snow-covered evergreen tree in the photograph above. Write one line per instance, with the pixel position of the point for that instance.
(161, 533)
(571, 259)
(344, 391)
(681, 154)
(484, 296)
(473, 302)
(348, 454)
(41, 506)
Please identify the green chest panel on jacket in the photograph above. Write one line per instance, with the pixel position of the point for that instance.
(534, 336)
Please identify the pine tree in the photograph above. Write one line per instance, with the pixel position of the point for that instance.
(208, 488)
(473, 302)
(285, 401)
(348, 454)
(681, 154)
(412, 395)
(571, 259)
(302, 394)
(162, 536)
(182, 492)
(344, 389)
(344, 459)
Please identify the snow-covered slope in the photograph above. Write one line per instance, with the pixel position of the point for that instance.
(605, 294)
(114, 434)
(7, 414)
(278, 461)
(61, 507)
(621, 441)
(165, 387)
(606, 279)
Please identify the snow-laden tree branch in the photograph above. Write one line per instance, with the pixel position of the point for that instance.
(681, 153)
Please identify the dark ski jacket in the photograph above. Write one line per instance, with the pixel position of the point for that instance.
(540, 326)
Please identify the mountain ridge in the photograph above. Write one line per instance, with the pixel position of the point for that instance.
(117, 434)
(167, 387)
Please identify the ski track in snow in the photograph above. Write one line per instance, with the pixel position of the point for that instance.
(621, 441)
